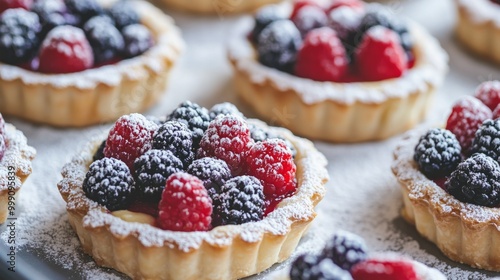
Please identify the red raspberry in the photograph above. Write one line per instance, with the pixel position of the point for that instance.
(12, 4)
(355, 4)
(271, 162)
(129, 138)
(384, 270)
(227, 138)
(380, 55)
(185, 204)
(322, 56)
(65, 50)
(299, 4)
(489, 93)
(466, 117)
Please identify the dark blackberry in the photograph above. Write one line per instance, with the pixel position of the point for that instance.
(84, 9)
(138, 39)
(264, 17)
(177, 138)
(309, 18)
(212, 172)
(278, 45)
(487, 139)
(109, 183)
(123, 14)
(19, 35)
(241, 200)
(50, 13)
(100, 151)
(152, 170)
(195, 117)
(224, 108)
(437, 153)
(345, 21)
(345, 249)
(311, 267)
(476, 180)
(105, 39)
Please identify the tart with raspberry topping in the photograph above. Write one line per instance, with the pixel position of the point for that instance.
(15, 166)
(340, 71)
(164, 198)
(450, 180)
(77, 63)
(219, 7)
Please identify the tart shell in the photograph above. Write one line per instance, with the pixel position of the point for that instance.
(226, 252)
(100, 94)
(219, 7)
(464, 232)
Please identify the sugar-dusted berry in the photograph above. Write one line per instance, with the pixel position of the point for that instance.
(212, 172)
(345, 249)
(309, 18)
(311, 267)
(489, 93)
(106, 41)
(12, 4)
(123, 14)
(138, 39)
(384, 270)
(224, 108)
(176, 137)
(19, 35)
(194, 116)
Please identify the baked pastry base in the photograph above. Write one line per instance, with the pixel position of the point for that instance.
(226, 252)
(219, 7)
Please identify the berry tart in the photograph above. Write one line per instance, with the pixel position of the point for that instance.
(82, 62)
(342, 71)
(346, 257)
(478, 27)
(450, 180)
(220, 7)
(163, 199)
(15, 166)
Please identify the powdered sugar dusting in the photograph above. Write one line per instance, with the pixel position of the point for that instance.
(482, 10)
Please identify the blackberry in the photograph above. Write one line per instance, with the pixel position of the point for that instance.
(476, 180)
(437, 153)
(345, 249)
(50, 13)
(123, 14)
(177, 138)
(224, 108)
(152, 170)
(241, 200)
(345, 21)
(311, 267)
(264, 17)
(212, 172)
(309, 18)
(487, 139)
(138, 39)
(105, 39)
(109, 183)
(84, 9)
(100, 151)
(195, 117)
(19, 35)
(278, 45)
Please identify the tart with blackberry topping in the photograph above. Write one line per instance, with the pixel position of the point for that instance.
(450, 180)
(78, 63)
(346, 257)
(340, 71)
(15, 166)
(170, 202)
(219, 7)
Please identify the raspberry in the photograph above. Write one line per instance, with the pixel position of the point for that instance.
(278, 44)
(109, 183)
(185, 204)
(465, 118)
(380, 55)
(12, 4)
(322, 57)
(68, 46)
(195, 117)
(129, 138)
(264, 17)
(212, 172)
(487, 139)
(138, 40)
(84, 9)
(105, 39)
(489, 93)
(309, 18)
(384, 270)
(437, 153)
(353, 4)
(177, 138)
(99, 154)
(299, 4)
(123, 14)
(345, 249)
(271, 162)
(19, 35)
(241, 200)
(258, 134)
(224, 108)
(476, 180)
(311, 267)
(227, 138)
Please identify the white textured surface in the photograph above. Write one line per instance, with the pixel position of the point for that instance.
(363, 195)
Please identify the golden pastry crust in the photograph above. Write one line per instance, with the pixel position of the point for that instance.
(219, 7)
(464, 232)
(16, 160)
(145, 252)
(95, 95)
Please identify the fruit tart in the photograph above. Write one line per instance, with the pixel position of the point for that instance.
(346, 257)
(82, 62)
(200, 194)
(219, 7)
(478, 28)
(450, 180)
(15, 167)
(339, 71)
